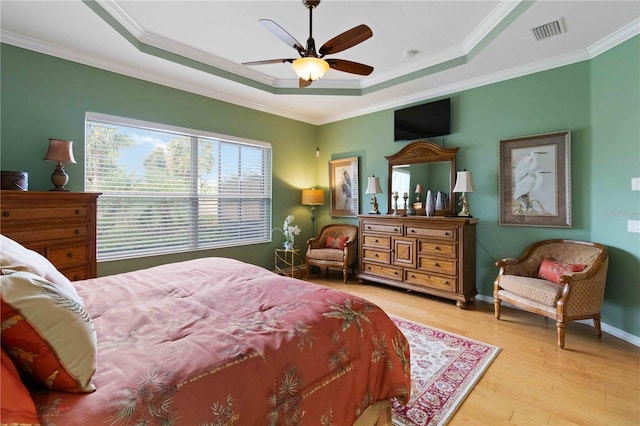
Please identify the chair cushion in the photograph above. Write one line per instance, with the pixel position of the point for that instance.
(336, 243)
(330, 254)
(535, 289)
(552, 270)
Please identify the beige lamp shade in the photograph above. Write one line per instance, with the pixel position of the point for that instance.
(373, 185)
(312, 197)
(464, 182)
(310, 68)
(60, 151)
(419, 188)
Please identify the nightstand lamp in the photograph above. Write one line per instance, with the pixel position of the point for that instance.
(313, 197)
(373, 187)
(60, 151)
(464, 184)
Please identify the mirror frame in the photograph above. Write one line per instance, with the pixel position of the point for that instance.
(425, 152)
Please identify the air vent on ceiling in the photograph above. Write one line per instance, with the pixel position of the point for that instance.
(548, 30)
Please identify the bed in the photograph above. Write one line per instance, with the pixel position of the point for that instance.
(211, 341)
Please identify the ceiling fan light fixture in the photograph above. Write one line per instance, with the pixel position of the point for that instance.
(310, 68)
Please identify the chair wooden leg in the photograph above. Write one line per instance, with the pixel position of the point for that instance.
(344, 275)
(561, 332)
(596, 324)
(496, 307)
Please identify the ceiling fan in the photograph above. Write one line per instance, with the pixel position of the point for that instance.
(310, 66)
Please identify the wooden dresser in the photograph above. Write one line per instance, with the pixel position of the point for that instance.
(434, 255)
(59, 225)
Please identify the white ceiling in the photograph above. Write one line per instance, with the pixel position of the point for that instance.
(419, 50)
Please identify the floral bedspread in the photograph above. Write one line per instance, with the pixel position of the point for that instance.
(219, 342)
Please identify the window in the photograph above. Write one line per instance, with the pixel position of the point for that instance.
(167, 189)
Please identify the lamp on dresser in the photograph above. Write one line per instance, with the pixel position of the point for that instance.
(60, 151)
(313, 197)
(373, 187)
(464, 184)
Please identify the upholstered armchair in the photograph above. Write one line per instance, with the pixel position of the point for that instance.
(334, 248)
(561, 279)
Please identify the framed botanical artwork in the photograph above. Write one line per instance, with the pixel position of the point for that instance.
(535, 180)
(344, 188)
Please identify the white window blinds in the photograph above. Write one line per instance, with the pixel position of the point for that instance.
(167, 189)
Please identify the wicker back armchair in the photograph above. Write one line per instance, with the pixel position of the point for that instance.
(552, 291)
(325, 250)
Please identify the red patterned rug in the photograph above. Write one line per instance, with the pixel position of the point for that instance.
(444, 369)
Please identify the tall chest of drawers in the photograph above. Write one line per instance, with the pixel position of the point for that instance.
(433, 255)
(61, 226)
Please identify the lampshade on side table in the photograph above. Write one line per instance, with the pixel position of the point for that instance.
(60, 151)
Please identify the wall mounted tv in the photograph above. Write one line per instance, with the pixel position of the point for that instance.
(423, 121)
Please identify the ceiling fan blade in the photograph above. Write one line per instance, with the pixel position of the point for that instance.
(282, 34)
(304, 83)
(350, 66)
(268, 61)
(346, 40)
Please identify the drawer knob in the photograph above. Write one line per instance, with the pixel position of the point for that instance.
(77, 211)
(6, 213)
(436, 248)
(69, 255)
(447, 233)
(413, 231)
(377, 240)
(395, 229)
(76, 231)
(413, 276)
(395, 273)
(376, 255)
(436, 264)
(446, 281)
(368, 227)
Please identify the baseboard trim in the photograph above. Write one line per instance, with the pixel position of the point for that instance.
(609, 329)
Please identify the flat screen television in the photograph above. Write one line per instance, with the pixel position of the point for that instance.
(423, 121)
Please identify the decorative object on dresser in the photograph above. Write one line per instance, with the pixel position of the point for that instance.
(313, 197)
(433, 255)
(373, 187)
(464, 184)
(336, 247)
(60, 151)
(16, 181)
(560, 279)
(59, 225)
(428, 163)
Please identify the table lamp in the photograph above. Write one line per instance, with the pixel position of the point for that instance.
(313, 197)
(464, 184)
(373, 187)
(60, 151)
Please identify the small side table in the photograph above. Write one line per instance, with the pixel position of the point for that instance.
(288, 263)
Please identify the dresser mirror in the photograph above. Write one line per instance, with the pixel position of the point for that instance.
(423, 163)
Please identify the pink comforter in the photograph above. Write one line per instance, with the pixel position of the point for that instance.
(219, 342)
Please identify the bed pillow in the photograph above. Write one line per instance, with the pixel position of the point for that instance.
(47, 332)
(16, 257)
(16, 404)
(337, 243)
(552, 270)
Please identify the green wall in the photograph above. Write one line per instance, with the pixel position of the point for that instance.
(597, 100)
(45, 97)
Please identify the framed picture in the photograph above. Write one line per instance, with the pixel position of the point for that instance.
(344, 188)
(535, 180)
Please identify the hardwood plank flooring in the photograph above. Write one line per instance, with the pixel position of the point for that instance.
(593, 381)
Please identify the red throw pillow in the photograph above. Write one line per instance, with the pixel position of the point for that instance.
(552, 270)
(336, 243)
(16, 405)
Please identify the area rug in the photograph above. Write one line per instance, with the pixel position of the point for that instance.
(444, 369)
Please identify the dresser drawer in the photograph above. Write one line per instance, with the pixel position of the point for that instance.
(68, 256)
(48, 233)
(377, 241)
(436, 248)
(441, 266)
(429, 280)
(376, 255)
(383, 271)
(379, 227)
(415, 231)
(24, 212)
(76, 274)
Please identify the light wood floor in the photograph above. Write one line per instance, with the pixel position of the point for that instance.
(593, 381)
